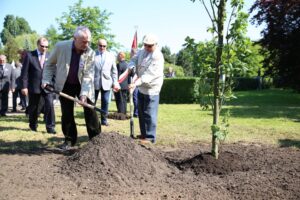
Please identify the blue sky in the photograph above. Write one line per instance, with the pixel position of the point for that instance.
(170, 20)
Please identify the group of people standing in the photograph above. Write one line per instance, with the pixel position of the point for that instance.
(75, 69)
(10, 80)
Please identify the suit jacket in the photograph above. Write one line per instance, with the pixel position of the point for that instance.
(58, 64)
(31, 73)
(7, 78)
(106, 73)
(122, 66)
(18, 80)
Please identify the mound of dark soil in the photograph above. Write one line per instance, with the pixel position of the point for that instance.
(118, 116)
(114, 160)
(259, 172)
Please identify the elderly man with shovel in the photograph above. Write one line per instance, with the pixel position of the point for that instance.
(149, 67)
(72, 62)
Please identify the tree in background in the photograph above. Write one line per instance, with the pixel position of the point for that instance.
(281, 37)
(184, 59)
(221, 65)
(52, 35)
(95, 19)
(27, 41)
(19, 43)
(169, 58)
(14, 26)
(178, 70)
(170, 62)
(11, 50)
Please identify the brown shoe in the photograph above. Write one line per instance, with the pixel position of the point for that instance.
(144, 142)
(140, 137)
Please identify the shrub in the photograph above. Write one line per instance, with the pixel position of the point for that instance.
(179, 90)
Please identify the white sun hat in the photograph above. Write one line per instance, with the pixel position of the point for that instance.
(150, 38)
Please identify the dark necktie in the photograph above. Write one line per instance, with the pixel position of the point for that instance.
(1, 71)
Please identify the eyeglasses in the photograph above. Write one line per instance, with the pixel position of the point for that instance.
(148, 45)
(102, 45)
(44, 46)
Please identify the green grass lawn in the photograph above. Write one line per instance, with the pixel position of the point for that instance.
(267, 116)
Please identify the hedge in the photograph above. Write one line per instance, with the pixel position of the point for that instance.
(186, 90)
(179, 90)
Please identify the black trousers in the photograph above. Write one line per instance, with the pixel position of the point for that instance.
(3, 101)
(121, 101)
(67, 119)
(48, 109)
(17, 93)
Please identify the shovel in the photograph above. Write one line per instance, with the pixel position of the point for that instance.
(131, 113)
(122, 77)
(50, 88)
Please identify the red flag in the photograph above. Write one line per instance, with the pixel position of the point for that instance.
(124, 75)
(134, 45)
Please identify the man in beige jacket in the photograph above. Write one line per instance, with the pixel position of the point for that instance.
(72, 63)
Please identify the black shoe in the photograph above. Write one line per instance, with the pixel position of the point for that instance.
(23, 108)
(3, 114)
(66, 146)
(14, 110)
(51, 131)
(33, 129)
(104, 123)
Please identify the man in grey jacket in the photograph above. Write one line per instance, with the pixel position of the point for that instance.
(72, 63)
(7, 83)
(18, 86)
(106, 77)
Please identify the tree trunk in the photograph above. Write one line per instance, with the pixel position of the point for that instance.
(219, 51)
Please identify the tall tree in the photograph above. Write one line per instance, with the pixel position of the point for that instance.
(23, 26)
(14, 26)
(27, 41)
(94, 18)
(184, 59)
(52, 35)
(281, 36)
(169, 58)
(237, 24)
(11, 50)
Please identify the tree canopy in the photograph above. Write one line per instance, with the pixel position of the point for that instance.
(281, 37)
(14, 26)
(92, 17)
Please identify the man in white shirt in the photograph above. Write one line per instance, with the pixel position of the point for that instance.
(149, 64)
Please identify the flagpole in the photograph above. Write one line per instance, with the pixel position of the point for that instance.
(133, 51)
(134, 45)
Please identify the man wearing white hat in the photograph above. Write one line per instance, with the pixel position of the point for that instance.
(149, 67)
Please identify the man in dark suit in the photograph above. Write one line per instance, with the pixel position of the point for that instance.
(7, 82)
(17, 93)
(121, 95)
(31, 76)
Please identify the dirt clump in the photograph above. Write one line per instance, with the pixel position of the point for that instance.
(115, 160)
(118, 116)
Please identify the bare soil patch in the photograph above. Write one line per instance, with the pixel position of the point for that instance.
(112, 166)
(118, 116)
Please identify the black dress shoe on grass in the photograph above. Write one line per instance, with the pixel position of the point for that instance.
(66, 146)
(33, 129)
(51, 131)
(104, 124)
